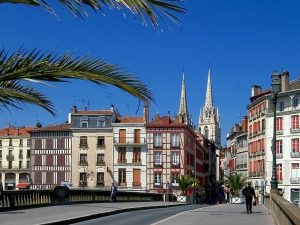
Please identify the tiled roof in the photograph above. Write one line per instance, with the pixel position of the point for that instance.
(165, 121)
(130, 119)
(93, 112)
(60, 127)
(14, 131)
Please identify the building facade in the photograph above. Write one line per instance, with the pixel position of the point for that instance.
(92, 147)
(14, 156)
(130, 153)
(51, 156)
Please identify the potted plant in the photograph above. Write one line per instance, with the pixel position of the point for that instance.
(185, 182)
(236, 182)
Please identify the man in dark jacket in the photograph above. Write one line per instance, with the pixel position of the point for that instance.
(249, 194)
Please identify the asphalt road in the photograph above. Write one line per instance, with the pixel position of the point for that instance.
(142, 217)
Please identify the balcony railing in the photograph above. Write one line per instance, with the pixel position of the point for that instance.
(280, 181)
(20, 156)
(130, 141)
(83, 163)
(101, 146)
(136, 161)
(100, 163)
(83, 183)
(295, 154)
(136, 184)
(295, 130)
(10, 157)
(175, 165)
(83, 146)
(279, 132)
(295, 180)
(279, 155)
(158, 165)
(100, 184)
(122, 184)
(122, 160)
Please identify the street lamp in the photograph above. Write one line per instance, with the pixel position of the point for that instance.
(275, 90)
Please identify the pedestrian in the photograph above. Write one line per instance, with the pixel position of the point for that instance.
(1, 191)
(113, 193)
(227, 194)
(256, 195)
(249, 194)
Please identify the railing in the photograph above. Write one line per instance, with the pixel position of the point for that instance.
(130, 140)
(138, 161)
(283, 212)
(295, 180)
(101, 146)
(279, 132)
(62, 195)
(83, 163)
(279, 155)
(10, 157)
(295, 154)
(100, 163)
(122, 160)
(295, 130)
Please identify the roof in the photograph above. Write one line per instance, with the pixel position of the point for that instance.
(93, 112)
(60, 127)
(165, 121)
(16, 131)
(130, 119)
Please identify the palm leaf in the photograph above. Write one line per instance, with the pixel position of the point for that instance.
(44, 67)
(145, 9)
(236, 181)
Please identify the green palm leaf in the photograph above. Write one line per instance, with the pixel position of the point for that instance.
(236, 181)
(36, 66)
(145, 9)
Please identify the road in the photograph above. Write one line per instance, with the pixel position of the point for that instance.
(143, 217)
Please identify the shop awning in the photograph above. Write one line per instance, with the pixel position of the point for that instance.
(23, 185)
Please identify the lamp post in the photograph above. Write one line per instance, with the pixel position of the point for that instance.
(275, 90)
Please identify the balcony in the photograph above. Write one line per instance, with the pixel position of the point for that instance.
(83, 183)
(20, 156)
(100, 184)
(129, 141)
(122, 160)
(83, 163)
(100, 163)
(295, 180)
(158, 165)
(101, 146)
(295, 154)
(83, 146)
(175, 165)
(279, 132)
(136, 184)
(10, 157)
(137, 161)
(279, 155)
(295, 130)
(122, 184)
(280, 181)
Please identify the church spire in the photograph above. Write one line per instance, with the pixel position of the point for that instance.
(208, 97)
(183, 113)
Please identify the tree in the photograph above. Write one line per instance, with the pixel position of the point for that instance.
(186, 181)
(236, 182)
(43, 67)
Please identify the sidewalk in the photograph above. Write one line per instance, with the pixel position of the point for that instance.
(75, 213)
(225, 214)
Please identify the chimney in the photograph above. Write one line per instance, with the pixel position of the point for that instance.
(256, 90)
(74, 109)
(146, 113)
(112, 108)
(245, 124)
(284, 81)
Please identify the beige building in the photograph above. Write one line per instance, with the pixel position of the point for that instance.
(15, 157)
(92, 147)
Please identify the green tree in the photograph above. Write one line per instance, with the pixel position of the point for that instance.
(186, 181)
(236, 182)
(19, 68)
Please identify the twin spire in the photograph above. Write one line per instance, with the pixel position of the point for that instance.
(183, 114)
(208, 97)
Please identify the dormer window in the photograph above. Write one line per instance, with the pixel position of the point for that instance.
(84, 122)
(101, 122)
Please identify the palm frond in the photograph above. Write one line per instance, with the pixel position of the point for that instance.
(145, 9)
(13, 94)
(45, 67)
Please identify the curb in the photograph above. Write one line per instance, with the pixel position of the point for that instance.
(104, 214)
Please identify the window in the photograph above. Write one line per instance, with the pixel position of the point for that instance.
(20, 164)
(295, 171)
(83, 159)
(84, 122)
(28, 164)
(137, 136)
(295, 145)
(10, 142)
(21, 142)
(122, 136)
(21, 154)
(100, 179)
(0, 164)
(206, 133)
(122, 155)
(100, 142)
(83, 179)
(279, 124)
(122, 177)
(157, 158)
(295, 102)
(157, 140)
(101, 122)
(83, 142)
(10, 165)
(0, 154)
(136, 155)
(295, 122)
(175, 158)
(28, 154)
(28, 142)
(174, 179)
(0, 142)
(174, 140)
(279, 172)
(278, 146)
(281, 106)
(263, 124)
(100, 159)
(157, 179)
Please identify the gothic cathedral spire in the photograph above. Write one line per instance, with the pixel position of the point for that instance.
(209, 119)
(183, 114)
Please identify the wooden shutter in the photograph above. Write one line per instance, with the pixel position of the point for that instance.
(136, 177)
(137, 135)
(122, 136)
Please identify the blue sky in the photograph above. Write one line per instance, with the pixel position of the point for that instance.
(242, 42)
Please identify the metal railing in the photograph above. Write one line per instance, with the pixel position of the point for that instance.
(130, 140)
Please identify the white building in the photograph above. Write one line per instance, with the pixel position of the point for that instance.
(130, 153)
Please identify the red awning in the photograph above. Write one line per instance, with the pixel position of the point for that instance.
(23, 185)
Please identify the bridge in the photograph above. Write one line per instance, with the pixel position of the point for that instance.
(64, 206)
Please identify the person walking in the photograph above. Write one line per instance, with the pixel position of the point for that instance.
(249, 194)
(256, 195)
(113, 193)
